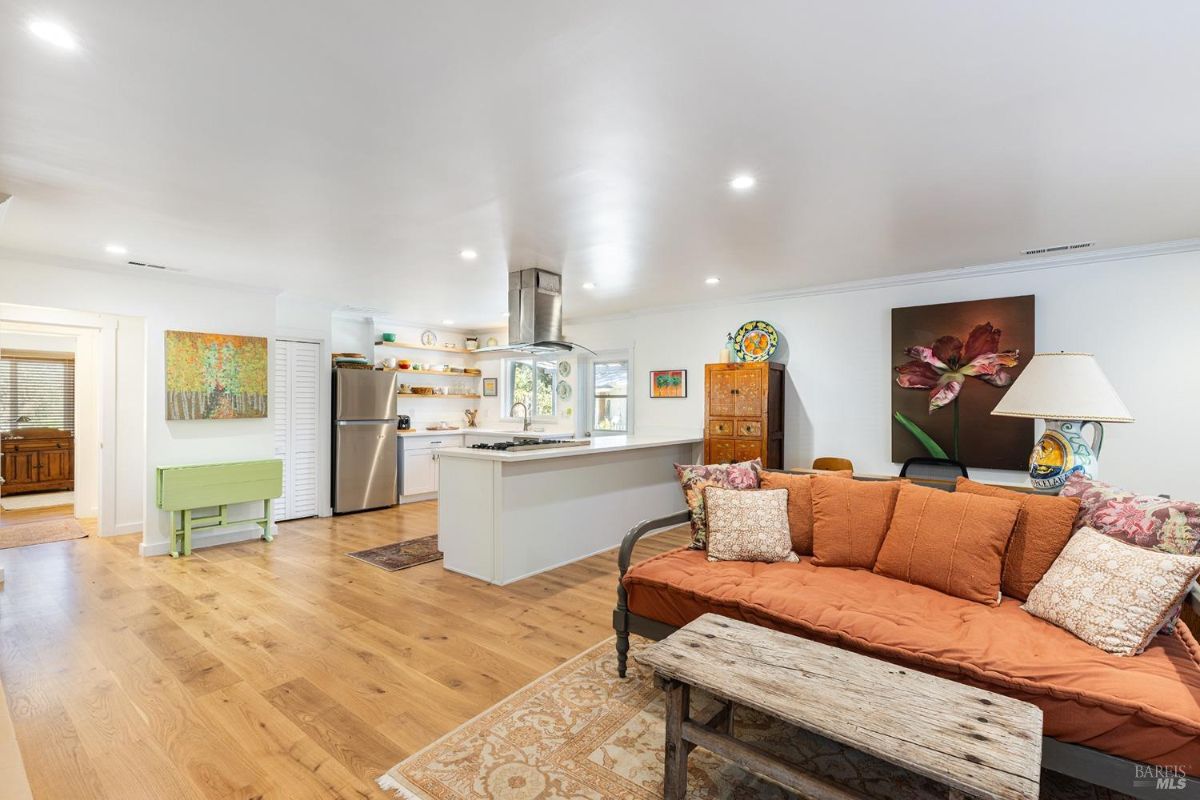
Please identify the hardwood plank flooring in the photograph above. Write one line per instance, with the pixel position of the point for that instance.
(19, 516)
(281, 670)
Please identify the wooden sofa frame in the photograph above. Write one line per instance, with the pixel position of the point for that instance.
(1074, 760)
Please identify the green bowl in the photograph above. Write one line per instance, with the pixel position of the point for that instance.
(388, 337)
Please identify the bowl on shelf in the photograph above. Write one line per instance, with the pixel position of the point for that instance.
(388, 337)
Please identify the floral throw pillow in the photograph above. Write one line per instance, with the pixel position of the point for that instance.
(695, 478)
(1171, 526)
(1109, 593)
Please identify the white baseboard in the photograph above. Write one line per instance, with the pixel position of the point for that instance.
(209, 539)
(127, 527)
(416, 498)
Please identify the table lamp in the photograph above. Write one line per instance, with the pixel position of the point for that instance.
(1068, 391)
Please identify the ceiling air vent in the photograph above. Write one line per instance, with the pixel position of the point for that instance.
(159, 267)
(1061, 248)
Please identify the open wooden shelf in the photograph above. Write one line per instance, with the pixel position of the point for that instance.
(435, 396)
(437, 348)
(471, 373)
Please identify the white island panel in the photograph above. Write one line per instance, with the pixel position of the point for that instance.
(501, 519)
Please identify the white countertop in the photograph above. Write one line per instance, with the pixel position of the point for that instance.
(600, 444)
(481, 431)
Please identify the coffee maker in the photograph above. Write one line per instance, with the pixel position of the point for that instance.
(403, 422)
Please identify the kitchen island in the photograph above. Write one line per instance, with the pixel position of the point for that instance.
(503, 516)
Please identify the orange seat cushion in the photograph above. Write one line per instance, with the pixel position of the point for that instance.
(799, 507)
(850, 519)
(1044, 524)
(948, 541)
(1145, 708)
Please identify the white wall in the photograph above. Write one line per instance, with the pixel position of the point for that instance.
(163, 302)
(1138, 315)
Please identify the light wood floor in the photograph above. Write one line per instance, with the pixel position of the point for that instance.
(282, 670)
(22, 515)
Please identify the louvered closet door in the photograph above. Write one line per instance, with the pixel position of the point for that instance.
(296, 391)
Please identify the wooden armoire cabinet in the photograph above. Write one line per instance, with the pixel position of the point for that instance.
(743, 413)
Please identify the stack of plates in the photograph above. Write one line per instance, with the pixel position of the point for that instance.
(351, 361)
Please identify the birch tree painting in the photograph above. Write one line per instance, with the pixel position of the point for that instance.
(215, 376)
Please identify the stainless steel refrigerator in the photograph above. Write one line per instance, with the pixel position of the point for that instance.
(364, 439)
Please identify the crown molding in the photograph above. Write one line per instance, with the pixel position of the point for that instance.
(129, 271)
(1032, 264)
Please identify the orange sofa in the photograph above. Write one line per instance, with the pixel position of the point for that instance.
(1105, 717)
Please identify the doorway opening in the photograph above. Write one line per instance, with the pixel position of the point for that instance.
(50, 432)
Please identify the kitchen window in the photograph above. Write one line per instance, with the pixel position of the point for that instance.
(610, 396)
(37, 391)
(531, 381)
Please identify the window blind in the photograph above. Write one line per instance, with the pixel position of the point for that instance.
(40, 387)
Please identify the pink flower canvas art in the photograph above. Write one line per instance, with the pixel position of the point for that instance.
(951, 365)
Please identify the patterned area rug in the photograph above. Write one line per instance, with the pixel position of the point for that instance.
(401, 554)
(581, 732)
(52, 530)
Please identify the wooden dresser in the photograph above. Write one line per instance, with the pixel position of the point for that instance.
(743, 413)
(37, 460)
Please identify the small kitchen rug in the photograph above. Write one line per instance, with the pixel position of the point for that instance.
(52, 530)
(581, 732)
(401, 555)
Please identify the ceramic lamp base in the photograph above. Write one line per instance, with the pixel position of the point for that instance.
(1062, 452)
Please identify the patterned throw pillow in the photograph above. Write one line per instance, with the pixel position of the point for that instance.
(1172, 526)
(694, 478)
(1111, 594)
(748, 525)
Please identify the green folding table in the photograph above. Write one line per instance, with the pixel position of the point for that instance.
(216, 486)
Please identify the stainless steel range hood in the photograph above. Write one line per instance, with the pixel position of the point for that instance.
(534, 315)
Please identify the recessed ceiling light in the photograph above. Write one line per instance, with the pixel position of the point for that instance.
(53, 33)
(116, 249)
(469, 255)
(713, 281)
(742, 182)
(589, 285)
(447, 322)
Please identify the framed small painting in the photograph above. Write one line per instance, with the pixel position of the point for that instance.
(668, 383)
(490, 387)
(215, 376)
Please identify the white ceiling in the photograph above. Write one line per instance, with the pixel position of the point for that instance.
(349, 151)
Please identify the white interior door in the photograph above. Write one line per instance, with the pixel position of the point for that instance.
(296, 407)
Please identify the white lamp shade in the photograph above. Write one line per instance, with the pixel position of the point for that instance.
(1063, 386)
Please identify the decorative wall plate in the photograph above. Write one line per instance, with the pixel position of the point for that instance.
(428, 338)
(564, 369)
(756, 340)
(564, 390)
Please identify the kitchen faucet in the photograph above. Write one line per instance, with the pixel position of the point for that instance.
(525, 413)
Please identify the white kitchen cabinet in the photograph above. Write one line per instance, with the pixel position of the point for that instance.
(419, 467)
(420, 472)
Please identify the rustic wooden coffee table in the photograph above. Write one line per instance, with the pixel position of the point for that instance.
(977, 743)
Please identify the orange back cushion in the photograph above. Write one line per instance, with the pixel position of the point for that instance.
(799, 504)
(850, 519)
(1044, 524)
(948, 541)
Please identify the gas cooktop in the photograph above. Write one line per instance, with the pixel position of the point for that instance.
(531, 444)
